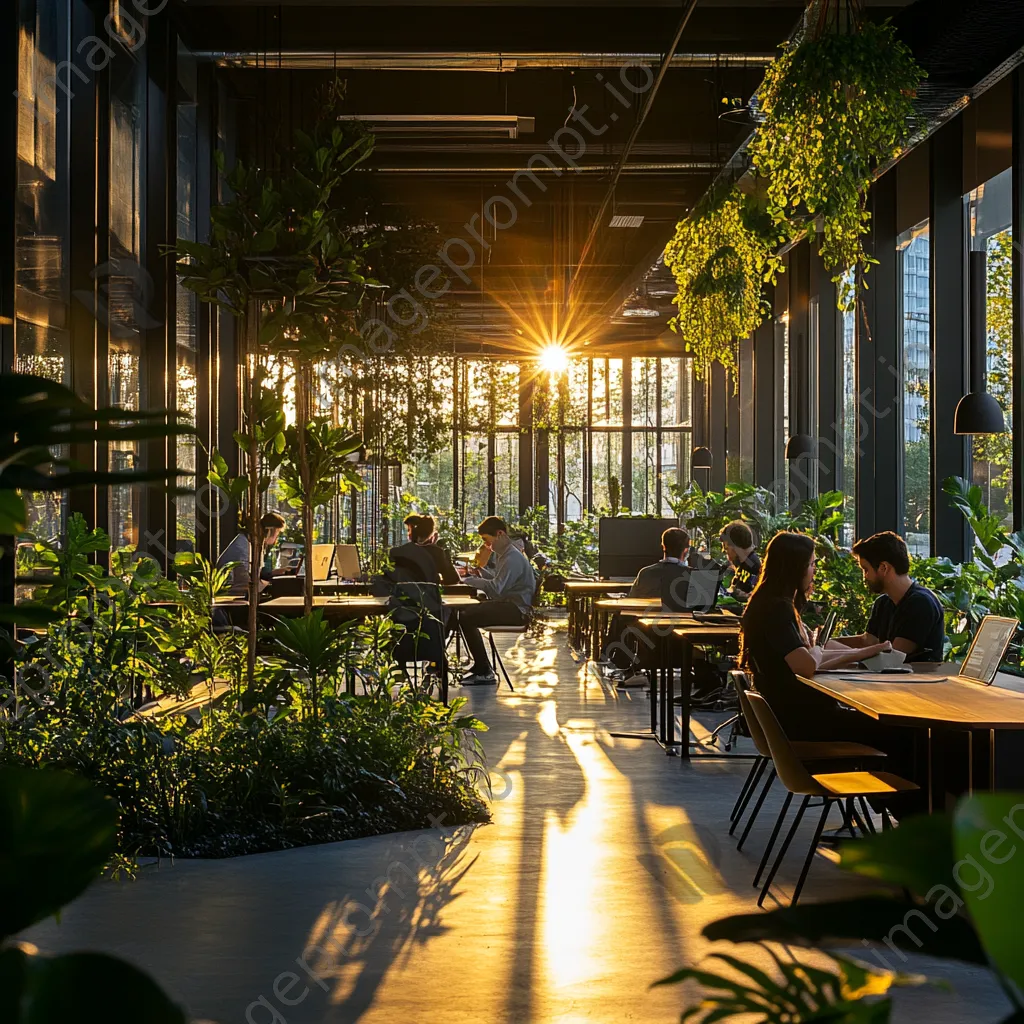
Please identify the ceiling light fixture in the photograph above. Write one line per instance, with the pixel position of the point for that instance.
(622, 220)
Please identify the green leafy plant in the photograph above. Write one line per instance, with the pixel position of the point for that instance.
(836, 105)
(721, 257)
(58, 832)
(852, 994)
(316, 468)
(934, 860)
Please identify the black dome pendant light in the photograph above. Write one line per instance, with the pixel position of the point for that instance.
(978, 412)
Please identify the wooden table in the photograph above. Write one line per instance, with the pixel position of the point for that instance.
(578, 594)
(603, 608)
(342, 606)
(932, 697)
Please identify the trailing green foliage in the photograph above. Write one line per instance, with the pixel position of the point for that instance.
(836, 105)
(721, 262)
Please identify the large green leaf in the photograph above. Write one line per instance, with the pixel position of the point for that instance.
(918, 855)
(56, 833)
(990, 873)
(875, 919)
(80, 987)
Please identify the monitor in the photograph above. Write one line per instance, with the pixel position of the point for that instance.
(346, 561)
(626, 545)
(987, 649)
(693, 590)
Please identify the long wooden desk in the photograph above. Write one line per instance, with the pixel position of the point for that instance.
(602, 609)
(933, 696)
(578, 596)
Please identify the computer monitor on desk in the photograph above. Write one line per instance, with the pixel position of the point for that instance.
(627, 544)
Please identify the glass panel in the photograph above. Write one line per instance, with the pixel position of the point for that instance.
(676, 447)
(989, 211)
(914, 249)
(645, 392)
(607, 392)
(645, 472)
(848, 427)
(675, 393)
(606, 448)
(473, 476)
(42, 343)
(506, 474)
(746, 372)
(126, 282)
(186, 327)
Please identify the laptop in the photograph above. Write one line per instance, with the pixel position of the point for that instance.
(346, 562)
(987, 649)
(695, 591)
(320, 561)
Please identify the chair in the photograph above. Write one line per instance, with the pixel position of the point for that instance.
(496, 662)
(832, 788)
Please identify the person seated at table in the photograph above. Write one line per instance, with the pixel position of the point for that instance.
(652, 580)
(509, 590)
(422, 531)
(238, 552)
(738, 541)
(906, 614)
(775, 647)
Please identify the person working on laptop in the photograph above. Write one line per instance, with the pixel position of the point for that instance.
(652, 579)
(509, 589)
(904, 613)
(738, 541)
(238, 552)
(422, 531)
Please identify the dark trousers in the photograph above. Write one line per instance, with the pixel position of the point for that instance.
(487, 613)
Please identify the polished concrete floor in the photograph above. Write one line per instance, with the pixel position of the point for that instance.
(604, 860)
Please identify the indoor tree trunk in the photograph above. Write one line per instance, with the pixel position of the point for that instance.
(303, 396)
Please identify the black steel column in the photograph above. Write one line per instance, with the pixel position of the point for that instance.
(949, 351)
(886, 404)
(626, 478)
(800, 385)
(527, 384)
(717, 411)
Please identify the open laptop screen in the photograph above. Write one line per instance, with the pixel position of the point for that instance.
(346, 561)
(988, 647)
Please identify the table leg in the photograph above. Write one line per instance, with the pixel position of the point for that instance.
(970, 762)
(594, 652)
(663, 695)
(686, 684)
(931, 781)
(991, 760)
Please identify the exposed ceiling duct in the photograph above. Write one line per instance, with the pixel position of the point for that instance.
(461, 126)
(327, 60)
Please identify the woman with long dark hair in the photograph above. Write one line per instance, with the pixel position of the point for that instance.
(775, 647)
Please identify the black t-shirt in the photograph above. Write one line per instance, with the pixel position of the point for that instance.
(918, 618)
(770, 632)
(447, 572)
(746, 574)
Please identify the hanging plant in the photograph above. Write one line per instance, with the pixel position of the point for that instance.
(836, 106)
(721, 257)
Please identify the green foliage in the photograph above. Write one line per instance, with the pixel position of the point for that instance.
(330, 471)
(839, 586)
(939, 859)
(721, 257)
(56, 834)
(852, 994)
(836, 105)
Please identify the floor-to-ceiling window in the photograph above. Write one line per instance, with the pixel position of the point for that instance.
(848, 424)
(746, 404)
(42, 340)
(914, 249)
(782, 409)
(989, 273)
(127, 280)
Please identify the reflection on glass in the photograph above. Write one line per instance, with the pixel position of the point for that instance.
(848, 427)
(914, 267)
(126, 283)
(187, 329)
(989, 220)
(42, 343)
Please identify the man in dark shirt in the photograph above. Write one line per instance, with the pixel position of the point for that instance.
(738, 541)
(905, 613)
(652, 579)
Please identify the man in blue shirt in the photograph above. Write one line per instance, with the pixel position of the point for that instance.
(508, 588)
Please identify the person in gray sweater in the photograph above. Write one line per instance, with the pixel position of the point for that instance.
(508, 589)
